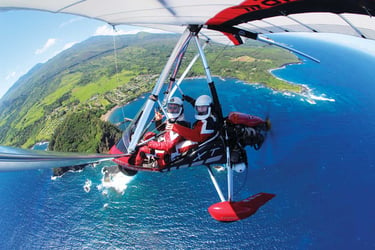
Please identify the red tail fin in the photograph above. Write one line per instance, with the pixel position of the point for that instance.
(227, 211)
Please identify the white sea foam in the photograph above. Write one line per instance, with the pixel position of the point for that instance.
(87, 186)
(114, 179)
(322, 98)
(311, 98)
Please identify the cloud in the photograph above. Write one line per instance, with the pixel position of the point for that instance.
(10, 79)
(106, 30)
(68, 45)
(50, 42)
(11, 75)
(70, 21)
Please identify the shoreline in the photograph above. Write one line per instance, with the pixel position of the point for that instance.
(305, 89)
(106, 116)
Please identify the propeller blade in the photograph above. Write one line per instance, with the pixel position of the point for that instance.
(268, 124)
(14, 159)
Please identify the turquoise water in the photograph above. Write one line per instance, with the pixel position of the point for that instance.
(318, 160)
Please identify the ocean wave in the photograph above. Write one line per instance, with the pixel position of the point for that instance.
(87, 186)
(312, 99)
(114, 179)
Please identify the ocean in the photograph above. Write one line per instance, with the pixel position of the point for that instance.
(318, 160)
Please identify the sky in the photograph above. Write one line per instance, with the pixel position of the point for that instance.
(31, 37)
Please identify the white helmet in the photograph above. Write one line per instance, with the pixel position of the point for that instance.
(174, 107)
(203, 107)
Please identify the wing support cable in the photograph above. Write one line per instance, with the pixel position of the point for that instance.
(300, 23)
(116, 64)
(188, 68)
(352, 26)
(147, 108)
(273, 25)
(272, 42)
(261, 29)
(367, 11)
(172, 79)
(70, 5)
(258, 37)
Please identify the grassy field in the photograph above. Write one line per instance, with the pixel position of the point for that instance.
(92, 82)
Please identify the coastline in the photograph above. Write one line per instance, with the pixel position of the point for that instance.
(304, 89)
(106, 116)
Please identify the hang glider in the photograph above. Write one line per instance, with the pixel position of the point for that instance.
(219, 21)
(222, 19)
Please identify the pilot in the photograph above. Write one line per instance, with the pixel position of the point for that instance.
(205, 126)
(164, 146)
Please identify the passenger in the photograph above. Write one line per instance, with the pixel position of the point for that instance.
(165, 144)
(205, 126)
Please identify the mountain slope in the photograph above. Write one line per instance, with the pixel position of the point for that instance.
(86, 77)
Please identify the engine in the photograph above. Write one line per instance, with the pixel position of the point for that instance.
(244, 130)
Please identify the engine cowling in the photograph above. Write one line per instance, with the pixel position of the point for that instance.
(246, 130)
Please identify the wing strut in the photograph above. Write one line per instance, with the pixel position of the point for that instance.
(188, 68)
(241, 32)
(186, 36)
(220, 118)
(272, 42)
(216, 185)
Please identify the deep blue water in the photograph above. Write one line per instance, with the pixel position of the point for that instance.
(318, 160)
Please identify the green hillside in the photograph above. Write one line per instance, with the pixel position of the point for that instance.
(85, 78)
(90, 134)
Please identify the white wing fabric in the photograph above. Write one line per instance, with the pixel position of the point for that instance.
(13, 159)
(351, 17)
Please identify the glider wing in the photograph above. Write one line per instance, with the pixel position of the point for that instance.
(351, 17)
(13, 159)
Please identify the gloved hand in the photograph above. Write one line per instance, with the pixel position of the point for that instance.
(148, 135)
(168, 126)
(158, 116)
(189, 99)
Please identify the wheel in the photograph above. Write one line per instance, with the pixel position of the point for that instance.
(127, 172)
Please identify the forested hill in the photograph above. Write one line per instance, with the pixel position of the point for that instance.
(85, 78)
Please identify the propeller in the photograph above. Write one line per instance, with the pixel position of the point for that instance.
(269, 140)
(268, 124)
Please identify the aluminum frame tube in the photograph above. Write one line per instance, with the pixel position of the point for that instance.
(186, 36)
(216, 185)
(204, 61)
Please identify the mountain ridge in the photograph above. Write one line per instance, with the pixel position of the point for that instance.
(88, 77)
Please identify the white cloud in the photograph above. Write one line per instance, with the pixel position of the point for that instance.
(70, 21)
(11, 76)
(8, 81)
(68, 45)
(106, 30)
(50, 42)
